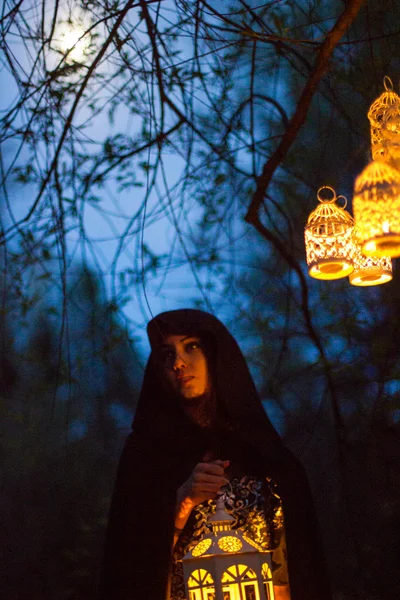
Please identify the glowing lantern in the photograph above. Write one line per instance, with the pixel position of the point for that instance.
(391, 135)
(329, 238)
(369, 270)
(377, 116)
(376, 206)
(227, 565)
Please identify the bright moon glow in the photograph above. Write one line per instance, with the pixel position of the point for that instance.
(71, 40)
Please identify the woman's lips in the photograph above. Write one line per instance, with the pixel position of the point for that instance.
(185, 379)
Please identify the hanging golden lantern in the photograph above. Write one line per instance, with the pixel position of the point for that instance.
(376, 206)
(329, 238)
(376, 116)
(369, 270)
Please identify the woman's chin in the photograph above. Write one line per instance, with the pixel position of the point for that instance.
(191, 395)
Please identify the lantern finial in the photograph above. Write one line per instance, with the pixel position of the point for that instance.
(221, 520)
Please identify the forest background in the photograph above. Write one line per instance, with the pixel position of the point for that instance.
(169, 156)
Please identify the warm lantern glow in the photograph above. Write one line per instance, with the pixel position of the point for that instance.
(199, 577)
(224, 564)
(202, 547)
(200, 585)
(240, 582)
(329, 238)
(391, 135)
(230, 543)
(267, 581)
(376, 206)
(376, 115)
(369, 270)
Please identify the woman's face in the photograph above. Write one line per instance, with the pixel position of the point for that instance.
(185, 366)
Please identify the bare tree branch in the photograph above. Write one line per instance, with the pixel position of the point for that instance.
(321, 64)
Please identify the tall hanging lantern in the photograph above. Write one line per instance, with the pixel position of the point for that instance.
(376, 206)
(369, 270)
(227, 565)
(376, 115)
(329, 238)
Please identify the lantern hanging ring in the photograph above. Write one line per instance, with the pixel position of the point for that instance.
(326, 200)
(388, 83)
(344, 198)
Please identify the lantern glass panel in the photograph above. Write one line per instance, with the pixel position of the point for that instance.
(238, 573)
(238, 578)
(241, 591)
(266, 571)
(231, 592)
(267, 581)
(199, 578)
(202, 594)
(250, 591)
(230, 543)
(202, 547)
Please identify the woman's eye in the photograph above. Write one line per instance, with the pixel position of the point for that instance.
(193, 345)
(166, 355)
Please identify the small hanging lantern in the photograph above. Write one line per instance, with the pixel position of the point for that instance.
(227, 565)
(376, 206)
(369, 270)
(329, 238)
(376, 115)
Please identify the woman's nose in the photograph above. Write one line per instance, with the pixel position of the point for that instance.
(179, 363)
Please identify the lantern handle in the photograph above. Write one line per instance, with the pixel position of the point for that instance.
(326, 200)
(228, 483)
(388, 84)
(344, 198)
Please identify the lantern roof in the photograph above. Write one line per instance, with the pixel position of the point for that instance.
(222, 540)
(376, 174)
(328, 211)
(379, 107)
(224, 543)
(221, 516)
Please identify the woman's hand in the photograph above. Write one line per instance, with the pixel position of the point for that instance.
(282, 592)
(204, 483)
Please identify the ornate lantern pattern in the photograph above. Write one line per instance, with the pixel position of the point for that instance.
(369, 270)
(376, 206)
(391, 135)
(329, 238)
(227, 565)
(378, 115)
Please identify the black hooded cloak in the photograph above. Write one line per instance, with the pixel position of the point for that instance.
(160, 455)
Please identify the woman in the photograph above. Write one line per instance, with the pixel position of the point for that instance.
(199, 422)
